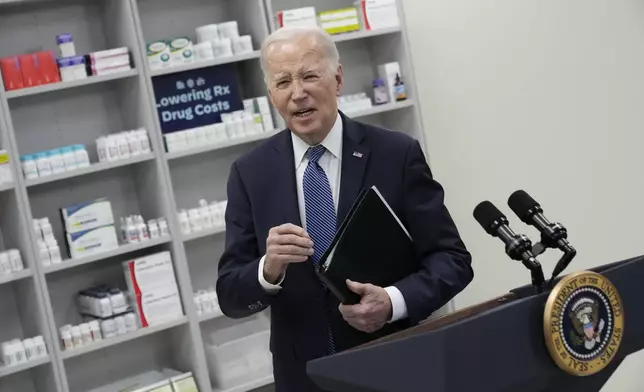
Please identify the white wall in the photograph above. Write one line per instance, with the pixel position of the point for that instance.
(543, 95)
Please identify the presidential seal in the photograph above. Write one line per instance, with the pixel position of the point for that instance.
(583, 323)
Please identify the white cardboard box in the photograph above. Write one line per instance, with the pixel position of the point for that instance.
(388, 72)
(85, 216)
(92, 241)
(157, 306)
(378, 14)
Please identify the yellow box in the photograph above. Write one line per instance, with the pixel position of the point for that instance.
(338, 21)
(4, 157)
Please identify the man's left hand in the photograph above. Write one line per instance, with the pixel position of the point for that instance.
(373, 311)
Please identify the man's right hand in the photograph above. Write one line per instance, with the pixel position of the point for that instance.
(285, 244)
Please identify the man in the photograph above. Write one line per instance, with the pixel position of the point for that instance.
(287, 196)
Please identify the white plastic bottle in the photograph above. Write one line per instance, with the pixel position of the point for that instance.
(69, 158)
(41, 347)
(56, 161)
(82, 158)
(132, 231)
(43, 255)
(9, 354)
(29, 167)
(141, 227)
(15, 260)
(101, 148)
(5, 265)
(130, 322)
(134, 143)
(184, 222)
(30, 349)
(54, 254)
(124, 146)
(206, 217)
(120, 325)
(77, 337)
(108, 328)
(195, 220)
(66, 338)
(153, 228)
(86, 333)
(112, 148)
(42, 162)
(123, 230)
(96, 330)
(144, 140)
(163, 227)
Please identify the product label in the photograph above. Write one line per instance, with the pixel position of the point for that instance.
(196, 98)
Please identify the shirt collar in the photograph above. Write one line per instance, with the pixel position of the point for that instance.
(332, 142)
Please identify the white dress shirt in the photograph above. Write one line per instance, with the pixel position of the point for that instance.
(330, 162)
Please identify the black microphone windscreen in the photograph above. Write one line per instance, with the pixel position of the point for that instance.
(521, 203)
(486, 214)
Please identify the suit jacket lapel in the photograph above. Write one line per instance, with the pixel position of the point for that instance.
(355, 157)
(284, 177)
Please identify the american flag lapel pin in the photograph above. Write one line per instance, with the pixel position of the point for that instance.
(357, 154)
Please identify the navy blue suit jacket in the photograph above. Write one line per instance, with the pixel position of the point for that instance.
(262, 194)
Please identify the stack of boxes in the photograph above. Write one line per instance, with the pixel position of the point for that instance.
(90, 228)
(5, 168)
(152, 289)
(261, 111)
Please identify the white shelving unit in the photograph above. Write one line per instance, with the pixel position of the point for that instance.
(39, 300)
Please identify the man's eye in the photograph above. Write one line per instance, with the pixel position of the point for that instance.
(282, 84)
(310, 77)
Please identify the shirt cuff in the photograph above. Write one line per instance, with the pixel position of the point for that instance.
(269, 287)
(398, 304)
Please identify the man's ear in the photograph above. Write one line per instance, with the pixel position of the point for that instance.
(339, 78)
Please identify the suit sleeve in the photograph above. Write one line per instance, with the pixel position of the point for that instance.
(239, 291)
(444, 262)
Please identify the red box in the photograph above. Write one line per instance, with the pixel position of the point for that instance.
(47, 68)
(28, 67)
(10, 67)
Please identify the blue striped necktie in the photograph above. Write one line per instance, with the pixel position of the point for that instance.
(320, 212)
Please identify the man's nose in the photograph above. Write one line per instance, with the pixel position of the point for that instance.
(299, 92)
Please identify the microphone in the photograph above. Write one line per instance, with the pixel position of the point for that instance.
(553, 235)
(517, 246)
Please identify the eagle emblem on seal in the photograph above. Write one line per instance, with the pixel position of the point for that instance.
(588, 328)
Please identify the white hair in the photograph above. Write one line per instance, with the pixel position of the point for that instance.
(288, 33)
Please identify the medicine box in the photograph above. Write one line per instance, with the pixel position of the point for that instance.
(92, 241)
(297, 17)
(388, 72)
(378, 14)
(149, 272)
(159, 305)
(86, 216)
(340, 21)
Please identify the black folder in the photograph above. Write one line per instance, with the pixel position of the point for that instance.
(371, 246)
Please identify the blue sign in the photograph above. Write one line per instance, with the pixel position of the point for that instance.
(196, 98)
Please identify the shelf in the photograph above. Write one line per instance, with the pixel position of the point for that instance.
(46, 88)
(219, 146)
(8, 370)
(15, 276)
(262, 382)
(365, 34)
(211, 316)
(208, 63)
(6, 186)
(121, 250)
(204, 233)
(377, 109)
(94, 168)
(105, 343)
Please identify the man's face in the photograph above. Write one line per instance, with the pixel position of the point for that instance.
(303, 88)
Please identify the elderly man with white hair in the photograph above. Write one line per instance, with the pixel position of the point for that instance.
(287, 196)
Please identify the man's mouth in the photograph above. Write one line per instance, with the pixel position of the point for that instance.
(304, 113)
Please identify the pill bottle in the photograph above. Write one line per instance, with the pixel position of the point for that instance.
(101, 148)
(130, 322)
(69, 158)
(196, 223)
(9, 354)
(104, 308)
(163, 227)
(132, 231)
(45, 228)
(41, 347)
(119, 321)
(197, 301)
(66, 45)
(108, 328)
(54, 254)
(144, 140)
(82, 158)
(117, 301)
(112, 148)
(21, 355)
(15, 260)
(380, 95)
(124, 146)
(42, 162)
(134, 143)
(95, 328)
(86, 333)
(206, 217)
(56, 161)
(399, 89)
(5, 265)
(78, 67)
(66, 69)
(29, 167)
(66, 338)
(43, 254)
(153, 228)
(30, 349)
(77, 337)
(184, 222)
